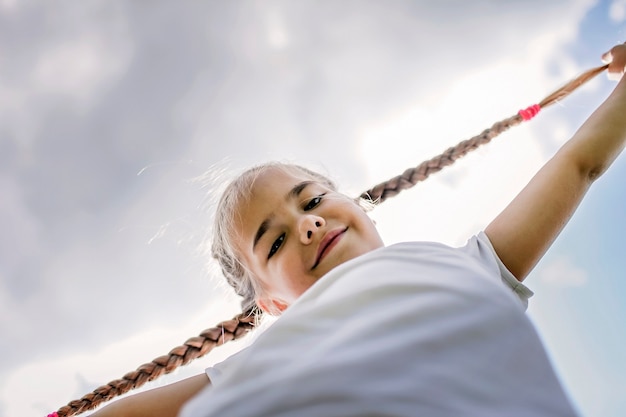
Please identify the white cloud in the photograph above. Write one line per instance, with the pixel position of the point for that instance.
(16, 221)
(8, 6)
(372, 72)
(487, 90)
(80, 67)
(617, 11)
(466, 196)
(563, 272)
(69, 59)
(33, 389)
(277, 33)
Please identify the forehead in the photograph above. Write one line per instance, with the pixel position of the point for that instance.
(275, 182)
(265, 192)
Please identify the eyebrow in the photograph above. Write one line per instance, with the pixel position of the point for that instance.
(297, 189)
(292, 194)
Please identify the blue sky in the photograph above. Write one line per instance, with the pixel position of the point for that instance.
(120, 121)
(591, 318)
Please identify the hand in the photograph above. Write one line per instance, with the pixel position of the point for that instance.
(616, 58)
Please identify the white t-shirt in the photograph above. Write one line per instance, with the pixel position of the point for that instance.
(412, 329)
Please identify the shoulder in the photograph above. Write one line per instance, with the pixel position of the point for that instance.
(473, 265)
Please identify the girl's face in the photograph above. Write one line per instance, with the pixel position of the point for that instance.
(291, 230)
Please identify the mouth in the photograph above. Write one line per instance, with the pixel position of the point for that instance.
(327, 243)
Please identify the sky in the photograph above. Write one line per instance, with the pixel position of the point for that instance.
(120, 121)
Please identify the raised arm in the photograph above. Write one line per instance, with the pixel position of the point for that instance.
(159, 402)
(526, 228)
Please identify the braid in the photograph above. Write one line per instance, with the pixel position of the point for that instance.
(193, 348)
(412, 176)
(235, 328)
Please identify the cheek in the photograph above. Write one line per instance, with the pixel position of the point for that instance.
(368, 230)
(357, 215)
(288, 279)
(279, 276)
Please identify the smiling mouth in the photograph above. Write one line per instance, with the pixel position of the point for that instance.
(326, 245)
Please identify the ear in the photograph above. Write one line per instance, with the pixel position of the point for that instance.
(271, 306)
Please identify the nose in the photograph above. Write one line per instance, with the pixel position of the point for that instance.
(308, 226)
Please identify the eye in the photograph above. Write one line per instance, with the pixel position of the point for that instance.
(276, 245)
(313, 202)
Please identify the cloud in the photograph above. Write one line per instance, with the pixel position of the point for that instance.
(33, 388)
(8, 6)
(617, 11)
(562, 272)
(78, 67)
(93, 94)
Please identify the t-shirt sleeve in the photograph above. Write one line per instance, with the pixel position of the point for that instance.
(221, 369)
(214, 372)
(480, 246)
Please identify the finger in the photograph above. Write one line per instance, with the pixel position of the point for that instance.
(607, 57)
(615, 75)
(616, 60)
(616, 69)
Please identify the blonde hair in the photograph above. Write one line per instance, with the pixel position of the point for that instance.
(223, 249)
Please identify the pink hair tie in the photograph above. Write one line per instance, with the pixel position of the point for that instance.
(53, 414)
(529, 112)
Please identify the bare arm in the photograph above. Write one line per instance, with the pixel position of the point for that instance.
(159, 402)
(526, 228)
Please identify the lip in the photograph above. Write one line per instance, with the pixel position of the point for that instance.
(327, 243)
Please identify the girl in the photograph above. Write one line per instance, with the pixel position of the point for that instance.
(416, 328)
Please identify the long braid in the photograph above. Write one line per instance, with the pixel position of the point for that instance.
(193, 348)
(237, 327)
(412, 176)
